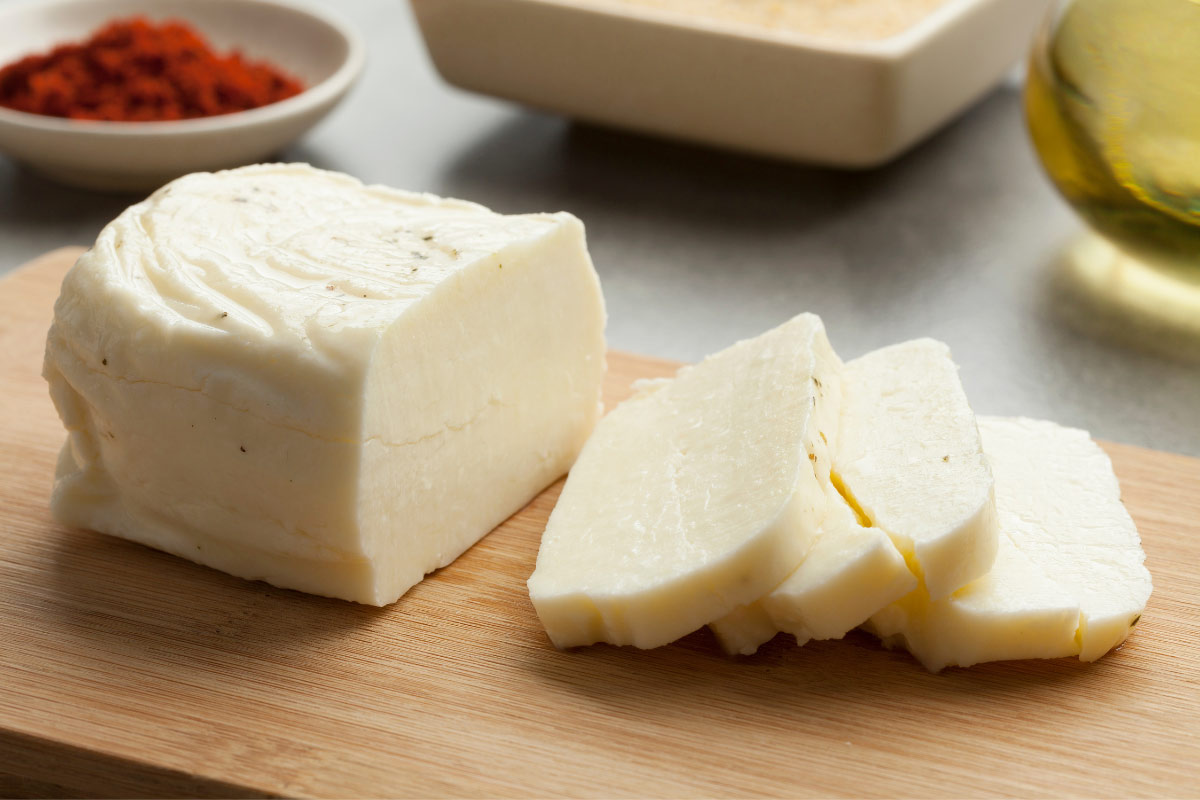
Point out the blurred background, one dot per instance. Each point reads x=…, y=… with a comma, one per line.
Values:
x=962, y=238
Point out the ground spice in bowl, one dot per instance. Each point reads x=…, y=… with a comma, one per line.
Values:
x=135, y=70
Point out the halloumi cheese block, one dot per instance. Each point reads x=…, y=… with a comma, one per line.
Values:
x=1069, y=577
x=290, y=376
x=694, y=497
x=909, y=458
x=851, y=571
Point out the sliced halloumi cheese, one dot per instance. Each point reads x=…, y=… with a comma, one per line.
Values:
x=1069, y=577
x=908, y=452
x=909, y=458
x=287, y=375
x=696, y=496
x=851, y=571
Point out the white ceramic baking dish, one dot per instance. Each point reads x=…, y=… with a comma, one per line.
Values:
x=750, y=88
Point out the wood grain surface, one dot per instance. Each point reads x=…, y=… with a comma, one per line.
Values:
x=127, y=672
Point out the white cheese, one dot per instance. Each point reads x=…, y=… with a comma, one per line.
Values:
x=290, y=376
x=909, y=457
x=1069, y=576
x=850, y=572
x=694, y=497
x=908, y=453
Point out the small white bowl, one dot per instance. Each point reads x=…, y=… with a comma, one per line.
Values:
x=751, y=88
x=324, y=53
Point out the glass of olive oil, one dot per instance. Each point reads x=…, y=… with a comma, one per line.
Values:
x=1113, y=106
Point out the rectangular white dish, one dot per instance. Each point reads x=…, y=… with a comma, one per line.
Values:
x=742, y=86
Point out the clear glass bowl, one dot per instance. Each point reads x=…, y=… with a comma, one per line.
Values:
x=1113, y=107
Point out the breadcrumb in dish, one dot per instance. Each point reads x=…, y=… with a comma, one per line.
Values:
x=845, y=20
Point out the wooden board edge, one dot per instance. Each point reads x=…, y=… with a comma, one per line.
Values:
x=32, y=766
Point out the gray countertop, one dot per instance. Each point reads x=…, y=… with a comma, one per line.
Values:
x=962, y=239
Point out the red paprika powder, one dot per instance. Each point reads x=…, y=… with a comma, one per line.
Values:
x=135, y=70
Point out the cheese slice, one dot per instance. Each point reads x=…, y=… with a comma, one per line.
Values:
x=290, y=376
x=851, y=571
x=909, y=458
x=694, y=497
x=1069, y=577
x=908, y=453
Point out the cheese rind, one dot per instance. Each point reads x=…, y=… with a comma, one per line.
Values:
x=1069, y=577
x=909, y=456
x=287, y=375
x=695, y=496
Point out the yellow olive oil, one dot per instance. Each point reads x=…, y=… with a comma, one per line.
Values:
x=1113, y=105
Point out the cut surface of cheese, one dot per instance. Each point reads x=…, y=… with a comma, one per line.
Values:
x=1068, y=578
x=290, y=376
x=908, y=453
x=909, y=457
x=851, y=571
x=694, y=497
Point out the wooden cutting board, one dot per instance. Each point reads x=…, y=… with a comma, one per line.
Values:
x=126, y=672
